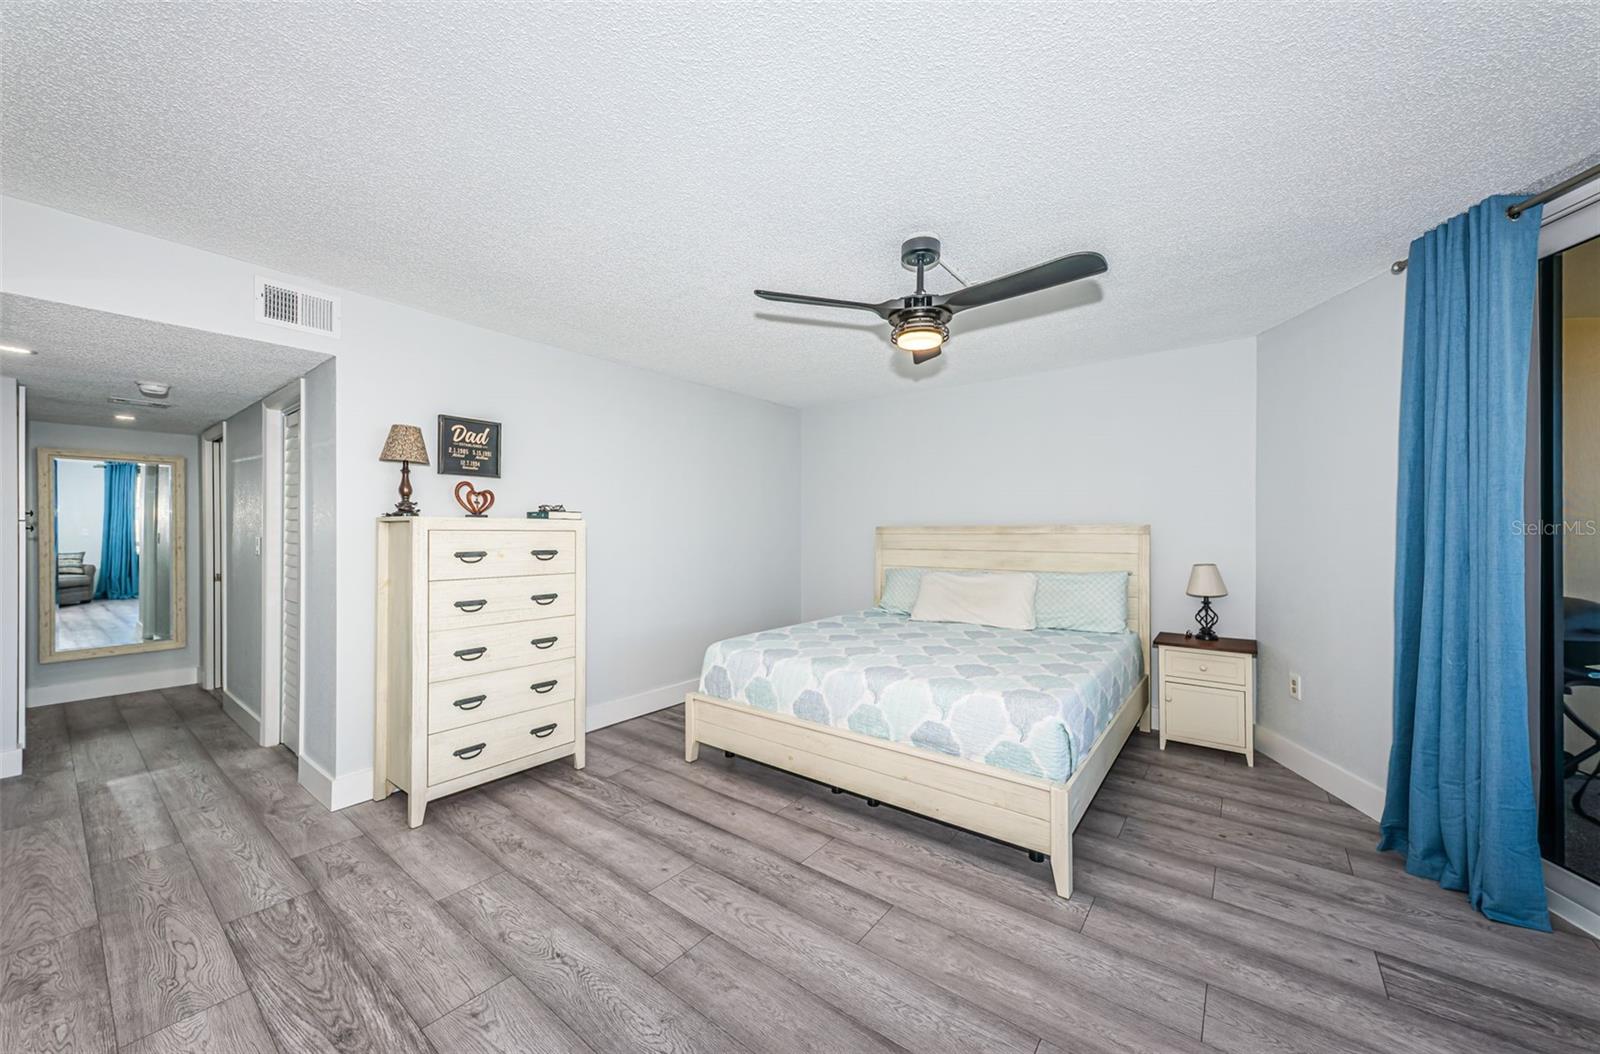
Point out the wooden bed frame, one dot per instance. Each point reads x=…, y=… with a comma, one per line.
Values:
x=1036, y=814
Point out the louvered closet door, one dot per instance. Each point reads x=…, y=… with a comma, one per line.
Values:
x=290, y=681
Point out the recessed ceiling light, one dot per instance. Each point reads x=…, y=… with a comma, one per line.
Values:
x=153, y=389
x=13, y=349
x=125, y=417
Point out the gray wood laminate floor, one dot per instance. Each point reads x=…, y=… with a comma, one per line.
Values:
x=167, y=886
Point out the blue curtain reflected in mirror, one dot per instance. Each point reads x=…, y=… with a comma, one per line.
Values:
x=119, y=539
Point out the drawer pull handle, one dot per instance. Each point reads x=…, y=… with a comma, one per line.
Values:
x=544, y=686
x=1203, y=667
x=471, y=702
x=544, y=730
x=471, y=556
x=544, y=554
x=470, y=654
x=471, y=606
x=544, y=599
x=541, y=642
x=468, y=753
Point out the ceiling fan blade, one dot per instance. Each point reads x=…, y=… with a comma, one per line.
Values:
x=919, y=357
x=1056, y=272
x=821, y=301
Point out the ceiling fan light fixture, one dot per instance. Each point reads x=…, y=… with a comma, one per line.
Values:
x=919, y=335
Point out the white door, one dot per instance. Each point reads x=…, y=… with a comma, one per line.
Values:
x=289, y=682
x=217, y=548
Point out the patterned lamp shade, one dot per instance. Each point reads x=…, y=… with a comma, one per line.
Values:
x=405, y=444
x=1206, y=581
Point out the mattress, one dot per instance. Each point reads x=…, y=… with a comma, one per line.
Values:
x=1032, y=701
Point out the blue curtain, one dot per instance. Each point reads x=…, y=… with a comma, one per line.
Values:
x=118, y=578
x=1460, y=798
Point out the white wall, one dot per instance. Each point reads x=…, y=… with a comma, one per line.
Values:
x=81, y=510
x=1328, y=431
x=60, y=682
x=1165, y=439
x=692, y=512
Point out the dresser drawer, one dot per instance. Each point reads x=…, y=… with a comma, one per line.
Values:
x=462, y=751
x=1215, y=667
x=453, y=604
x=468, y=700
x=500, y=554
x=1194, y=713
x=477, y=650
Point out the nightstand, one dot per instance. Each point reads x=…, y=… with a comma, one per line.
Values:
x=1207, y=691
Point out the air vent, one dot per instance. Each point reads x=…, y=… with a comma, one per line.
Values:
x=117, y=400
x=283, y=305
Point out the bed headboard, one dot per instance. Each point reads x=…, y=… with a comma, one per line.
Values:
x=1099, y=547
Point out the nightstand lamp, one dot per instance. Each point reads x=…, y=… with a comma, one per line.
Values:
x=1205, y=582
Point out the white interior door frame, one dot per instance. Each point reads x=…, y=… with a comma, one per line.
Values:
x=21, y=599
x=273, y=406
x=213, y=547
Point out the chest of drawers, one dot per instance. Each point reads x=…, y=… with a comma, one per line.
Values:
x=480, y=652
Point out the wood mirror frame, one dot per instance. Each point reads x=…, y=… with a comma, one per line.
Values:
x=47, y=555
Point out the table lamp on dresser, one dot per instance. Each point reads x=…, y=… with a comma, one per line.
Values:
x=1205, y=582
x=405, y=445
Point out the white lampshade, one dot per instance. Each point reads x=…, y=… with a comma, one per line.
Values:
x=1206, y=581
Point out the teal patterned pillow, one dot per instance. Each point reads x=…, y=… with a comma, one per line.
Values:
x=900, y=588
x=1093, y=603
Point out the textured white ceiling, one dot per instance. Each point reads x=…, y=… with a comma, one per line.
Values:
x=617, y=178
x=82, y=357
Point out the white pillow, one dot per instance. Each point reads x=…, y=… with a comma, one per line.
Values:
x=1004, y=600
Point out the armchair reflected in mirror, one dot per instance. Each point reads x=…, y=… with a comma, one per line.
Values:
x=111, y=554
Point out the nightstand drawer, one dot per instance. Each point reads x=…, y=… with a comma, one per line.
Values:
x=1193, y=713
x=1213, y=666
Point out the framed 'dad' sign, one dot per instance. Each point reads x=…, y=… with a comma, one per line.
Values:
x=468, y=447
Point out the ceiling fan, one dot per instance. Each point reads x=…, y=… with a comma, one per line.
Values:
x=921, y=320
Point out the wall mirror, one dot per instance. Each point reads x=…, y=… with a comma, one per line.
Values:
x=111, y=554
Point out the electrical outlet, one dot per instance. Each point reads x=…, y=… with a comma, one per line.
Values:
x=1294, y=685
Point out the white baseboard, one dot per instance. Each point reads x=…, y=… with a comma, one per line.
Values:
x=1368, y=797
x=335, y=792
x=1571, y=911
x=630, y=706
x=10, y=763
x=242, y=715
x=1335, y=779
x=116, y=684
x=1573, y=899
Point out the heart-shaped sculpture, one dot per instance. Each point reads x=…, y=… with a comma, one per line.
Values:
x=475, y=501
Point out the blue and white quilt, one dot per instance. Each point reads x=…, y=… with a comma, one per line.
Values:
x=1032, y=701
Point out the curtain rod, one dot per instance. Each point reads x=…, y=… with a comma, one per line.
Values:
x=1513, y=211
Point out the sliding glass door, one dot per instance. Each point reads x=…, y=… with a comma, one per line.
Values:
x=1569, y=715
